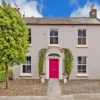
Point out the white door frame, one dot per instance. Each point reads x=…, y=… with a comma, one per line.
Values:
x=60, y=66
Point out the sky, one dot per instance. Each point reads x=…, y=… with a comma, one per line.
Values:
x=56, y=8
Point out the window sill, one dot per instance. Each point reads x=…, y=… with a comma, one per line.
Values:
x=54, y=45
x=26, y=75
x=83, y=74
x=82, y=46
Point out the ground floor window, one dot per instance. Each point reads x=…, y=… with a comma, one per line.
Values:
x=81, y=64
x=26, y=68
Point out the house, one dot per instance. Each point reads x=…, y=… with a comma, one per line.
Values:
x=80, y=35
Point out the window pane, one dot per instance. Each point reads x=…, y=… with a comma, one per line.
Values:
x=79, y=33
x=55, y=40
x=51, y=40
x=83, y=68
x=24, y=69
x=79, y=41
x=84, y=33
x=28, y=60
x=79, y=68
x=55, y=33
x=79, y=60
x=28, y=68
x=29, y=30
x=83, y=60
x=83, y=40
x=29, y=36
x=51, y=32
x=29, y=39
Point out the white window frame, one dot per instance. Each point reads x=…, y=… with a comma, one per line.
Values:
x=82, y=45
x=56, y=29
x=82, y=74
x=25, y=74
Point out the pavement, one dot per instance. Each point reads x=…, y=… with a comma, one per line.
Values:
x=53, y=88
x=92, y=96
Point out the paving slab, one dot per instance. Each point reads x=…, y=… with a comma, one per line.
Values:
x=53, y=88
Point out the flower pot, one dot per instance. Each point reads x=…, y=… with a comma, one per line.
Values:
x=42, y=77
x=42, y=80
x=65, y=80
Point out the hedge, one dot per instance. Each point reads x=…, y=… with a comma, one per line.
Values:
x=2, y=75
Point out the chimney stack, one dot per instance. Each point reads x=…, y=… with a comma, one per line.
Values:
x=93, y=12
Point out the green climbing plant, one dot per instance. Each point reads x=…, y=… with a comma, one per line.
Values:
x=68, y=59
x=42, y=54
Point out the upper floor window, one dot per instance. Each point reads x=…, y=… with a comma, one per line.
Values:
x=53, y=36
x=81, y=64
x=29, y=35
x=81, y=37
x=26, y=68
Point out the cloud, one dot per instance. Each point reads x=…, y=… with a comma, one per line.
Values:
x=29, y=8
x=74, y=3
x=84, y=12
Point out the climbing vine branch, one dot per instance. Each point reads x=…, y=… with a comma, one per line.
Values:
x=42, y=54
x=68, y=59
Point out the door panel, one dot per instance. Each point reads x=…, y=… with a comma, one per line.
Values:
x=53, y=68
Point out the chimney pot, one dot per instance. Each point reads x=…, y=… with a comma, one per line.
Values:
x=93, y=12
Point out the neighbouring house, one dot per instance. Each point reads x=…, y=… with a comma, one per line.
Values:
x=81, y=35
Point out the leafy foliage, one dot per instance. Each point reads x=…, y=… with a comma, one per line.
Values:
x=2, y=75
x=42, y=54
x=13, y=36
x=68, y=58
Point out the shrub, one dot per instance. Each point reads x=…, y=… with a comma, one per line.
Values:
x=68, y=58
x=42, y=54
x=2, y=75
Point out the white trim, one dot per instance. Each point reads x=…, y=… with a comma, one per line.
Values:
x=47, y=68
x=82, y=74
x=25, y=74
x=54, y=45
x=60, y=68
x=82, y=46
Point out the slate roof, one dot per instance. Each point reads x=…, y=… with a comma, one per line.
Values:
x=62, y=21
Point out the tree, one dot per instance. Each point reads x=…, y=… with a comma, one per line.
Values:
x=13, y=38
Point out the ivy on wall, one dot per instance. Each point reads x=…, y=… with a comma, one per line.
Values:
x=42, y=54
x=68, y=59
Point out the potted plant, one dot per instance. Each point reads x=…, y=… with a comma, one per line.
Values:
x=65, y=77
x=42, y=77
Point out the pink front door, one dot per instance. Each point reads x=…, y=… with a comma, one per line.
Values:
x=53, y=68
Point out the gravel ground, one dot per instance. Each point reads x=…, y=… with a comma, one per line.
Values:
x=24, y=88
x=80, y=86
